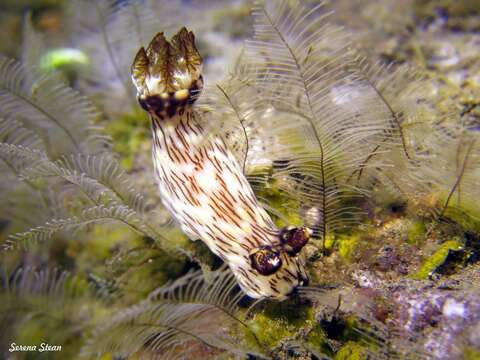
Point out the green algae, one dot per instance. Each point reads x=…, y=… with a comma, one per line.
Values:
x=471, y=354
x=100, y=245
x=289, y=321
x=351, y=351
x=416, y=232
x=347, y=245
x=270, y=331
x=176, y=239
x=130, y=131
x=64, y=59
x=436, y=259
x=139, y=271
x=316, y=340
x=135, y=262
x=467, y=217
x=283, y=203
x=280, y=321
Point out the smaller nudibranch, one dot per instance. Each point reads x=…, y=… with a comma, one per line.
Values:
x=200, y=181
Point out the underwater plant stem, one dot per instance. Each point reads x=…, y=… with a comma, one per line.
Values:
x=310, y=121
x=240, y=119
x=459, y=177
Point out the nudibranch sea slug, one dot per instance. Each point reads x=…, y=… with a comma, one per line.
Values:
x=200, y=181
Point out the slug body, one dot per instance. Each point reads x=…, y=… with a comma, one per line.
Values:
x=200, y=181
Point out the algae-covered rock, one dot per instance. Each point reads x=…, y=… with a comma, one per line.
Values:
x=437, y=317
x=437, y=259
x=351, y=351
x=285, y=205
x=281, y=321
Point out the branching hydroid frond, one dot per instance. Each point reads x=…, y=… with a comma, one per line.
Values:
x=56, y=283
x=98, y=176
x=232, y=109
x=12, y=131
x=313, y=118
x=188, y=318
x=97, y=214
x=397, y=91
x=19, y=157
x=51, y=109
x=18, y=196
x=105, y=183
x=452, y=167
x=99, y=179
x=442, y=175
